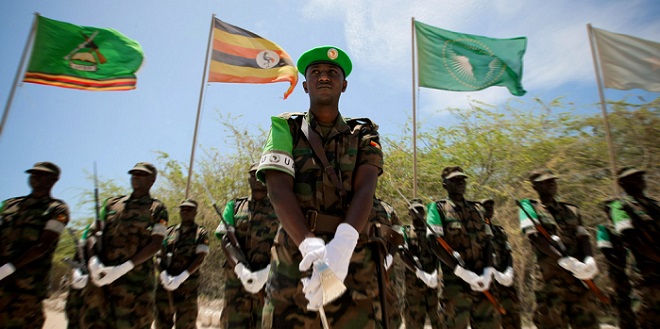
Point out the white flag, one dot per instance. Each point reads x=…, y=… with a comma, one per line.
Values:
x=628, y=62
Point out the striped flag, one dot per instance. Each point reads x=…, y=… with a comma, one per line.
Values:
x=241, y=56
x=82, y=57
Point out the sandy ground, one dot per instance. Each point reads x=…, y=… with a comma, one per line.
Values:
x=209, y=315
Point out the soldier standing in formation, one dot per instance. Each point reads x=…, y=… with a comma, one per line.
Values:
x=30, y=227
x=395, y=302
x=421, y=293
x=506, y=292
x=561, y=299
x=132, y=229
x=323, y=202
x=636, y=219
x=246, y=244
x=79, y=280
x=183, y=252
x=462, y=225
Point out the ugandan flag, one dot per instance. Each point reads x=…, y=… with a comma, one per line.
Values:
x=241, y=56
x=81, y=57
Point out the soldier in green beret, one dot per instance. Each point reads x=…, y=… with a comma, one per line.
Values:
x=30, y=227
x=324, y=203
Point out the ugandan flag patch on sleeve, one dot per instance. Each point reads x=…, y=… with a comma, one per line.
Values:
x=62, y=218
x=374, y=144
x=163, y=222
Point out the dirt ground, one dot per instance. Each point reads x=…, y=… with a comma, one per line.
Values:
x=209, y=315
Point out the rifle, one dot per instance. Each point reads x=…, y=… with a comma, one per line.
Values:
x=97, y=222
x=453, y=253
x=80, y=252
x=229, y=241
x=558, y=246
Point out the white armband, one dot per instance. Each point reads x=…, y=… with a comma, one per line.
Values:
x=54, y=226
x=159, y=229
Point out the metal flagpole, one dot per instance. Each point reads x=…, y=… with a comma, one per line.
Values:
x=199, y=106
x=603, y=106
x=28, y=43
x=414, y=112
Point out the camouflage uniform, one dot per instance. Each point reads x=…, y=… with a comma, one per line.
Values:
x=74, y=299
x=421, y=301
x=395, y=272
x=464, y=228
x=506, y=296
x=349, y=144
x=643, y=217
x=255, y=226
x=611, y=245
x=128, y=302
x=183, y=244
x=561, y=298
x=22, y=221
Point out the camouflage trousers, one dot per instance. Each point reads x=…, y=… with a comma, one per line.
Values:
x=463, y=307
x=420, y=302
x=507, y=297
x=561, y=306
x=242, y=309
x=648, y=314
x=286, y=306
x=20, y=310
x=183, y=307
x=74, y=303
x=122, y=304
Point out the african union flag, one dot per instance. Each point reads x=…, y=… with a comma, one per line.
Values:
x=82, y=57
x=241, y=56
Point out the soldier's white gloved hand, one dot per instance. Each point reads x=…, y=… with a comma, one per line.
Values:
x=568, y=263
x=221, y=229
x=246, y=276
x=430, y=279
x=6, y=270
x=313, y=291
x=312, y=249
x=586, y=270
x=259, y=279
x=389, y=259
x=95, y=266
x=113, y=273
x=504, y=278
x=164, y=278
x=484, y=280
x=177, y=281
x=339, y=250
x=468, y=276
x=78, y=279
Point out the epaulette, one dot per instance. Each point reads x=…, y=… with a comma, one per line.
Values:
x=352, y=122
x=289, y=115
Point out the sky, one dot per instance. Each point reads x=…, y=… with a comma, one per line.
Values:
x=115, y=130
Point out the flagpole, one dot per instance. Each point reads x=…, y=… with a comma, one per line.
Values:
x=414, y=111
x=5, y=114
x=603, y=106
x=199, y=106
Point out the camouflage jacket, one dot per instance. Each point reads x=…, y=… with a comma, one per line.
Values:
x=183, y=244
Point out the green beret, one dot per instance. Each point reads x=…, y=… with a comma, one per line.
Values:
x=325, y=54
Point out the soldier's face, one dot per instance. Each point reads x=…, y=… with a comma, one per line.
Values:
x=41, y=181
x=187, y=214
x=632, y=184
x=547, y=187
x=141, y=180
x=455, y=185
x=324, y=82
x=489, y=210
x=255, y=184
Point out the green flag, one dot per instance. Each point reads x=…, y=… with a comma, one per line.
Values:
x=465, y=62
x=81, y=57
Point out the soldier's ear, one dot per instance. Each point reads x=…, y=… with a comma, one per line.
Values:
x=304, y=84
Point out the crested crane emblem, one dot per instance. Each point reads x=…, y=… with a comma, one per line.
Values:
x=267, y=59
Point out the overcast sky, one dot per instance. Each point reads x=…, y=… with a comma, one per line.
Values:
x=117, y=129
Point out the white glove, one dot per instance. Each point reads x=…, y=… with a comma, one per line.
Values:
x=586, y=270
x=389, y=259
x=165, y=278
x=312, y=249
x=176, y=281
x=95, y=267
x=339, y=250
x=431, y=280
x=568, y=263
x=6, y=270
x=468, y=276
x=484, y=280
x=259, y=279
x=504, y=278
x=113, y=273
x=313, y=291
x=78, y=279
x=222, y=229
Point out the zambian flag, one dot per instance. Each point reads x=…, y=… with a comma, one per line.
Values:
x=82, y=57
x=241, y=56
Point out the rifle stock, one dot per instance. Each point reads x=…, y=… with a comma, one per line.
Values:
x=229, y=241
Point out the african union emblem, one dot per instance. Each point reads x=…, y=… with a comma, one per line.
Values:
x=458, y=56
